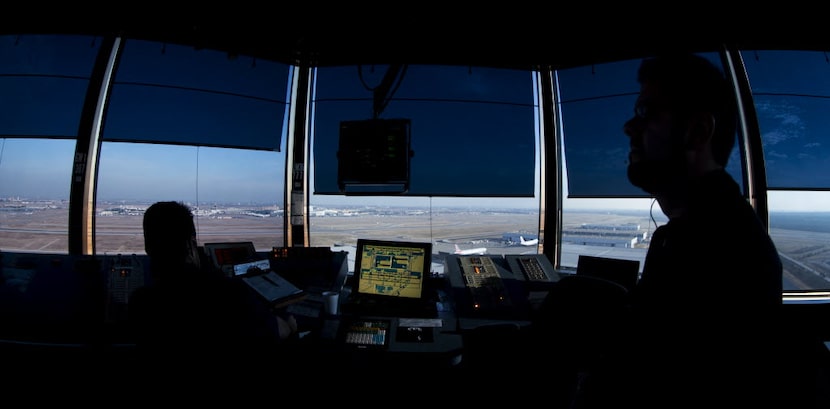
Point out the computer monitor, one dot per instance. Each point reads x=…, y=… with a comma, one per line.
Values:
x=227, y=254
x=385, y=268
x=621, y=271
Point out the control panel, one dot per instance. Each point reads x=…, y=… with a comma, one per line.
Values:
x=124, y=274
x=536, y=268
x=492, y=286
x=485, y=284
x=367, y=333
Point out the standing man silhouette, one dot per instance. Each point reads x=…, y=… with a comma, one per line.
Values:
x=704, y=324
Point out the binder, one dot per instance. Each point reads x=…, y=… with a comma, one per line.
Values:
x=274, y=289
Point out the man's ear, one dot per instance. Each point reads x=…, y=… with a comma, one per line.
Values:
x=701, y=130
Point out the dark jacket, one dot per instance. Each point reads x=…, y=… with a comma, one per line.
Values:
x=705, y=326
x=204, y=320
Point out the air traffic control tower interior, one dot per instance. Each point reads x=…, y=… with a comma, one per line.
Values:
x=439, y=173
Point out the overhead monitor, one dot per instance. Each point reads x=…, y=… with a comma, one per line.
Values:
x=374, y=157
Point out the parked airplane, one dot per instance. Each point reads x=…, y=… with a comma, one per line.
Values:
x=524, y=242
x=479, y=250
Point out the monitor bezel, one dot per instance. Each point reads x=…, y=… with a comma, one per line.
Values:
x=426, y=247
x=211, y=248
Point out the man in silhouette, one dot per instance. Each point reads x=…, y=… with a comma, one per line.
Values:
x=193, y=318
x=704, y=315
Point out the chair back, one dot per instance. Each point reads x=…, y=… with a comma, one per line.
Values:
x=581, y=314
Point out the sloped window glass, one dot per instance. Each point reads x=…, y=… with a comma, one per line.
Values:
x=235, y=194
x=792, y=97
x=166, y=93
x=44, y=79
x=35, y=177
x=43, y=84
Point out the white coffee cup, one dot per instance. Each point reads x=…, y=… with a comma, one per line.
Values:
x=331, y=301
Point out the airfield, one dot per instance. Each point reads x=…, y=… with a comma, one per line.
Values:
x=804, y=253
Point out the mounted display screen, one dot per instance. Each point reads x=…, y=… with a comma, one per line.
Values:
x=373, y=156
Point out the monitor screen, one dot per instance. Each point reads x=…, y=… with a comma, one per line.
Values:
x=226, y=255
x=392, y=268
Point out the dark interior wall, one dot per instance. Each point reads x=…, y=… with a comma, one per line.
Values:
x=60, y=298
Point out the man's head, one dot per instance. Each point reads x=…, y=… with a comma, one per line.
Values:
x=684, y=122
x=170, y=235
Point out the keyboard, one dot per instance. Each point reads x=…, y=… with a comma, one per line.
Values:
x=536, y=269
x=532, y=269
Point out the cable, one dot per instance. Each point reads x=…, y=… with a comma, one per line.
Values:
x=394, y=88
x=399, y=74
x=651, y=212
x=363, y=80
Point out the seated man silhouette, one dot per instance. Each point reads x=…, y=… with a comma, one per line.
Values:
x=188, y=316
